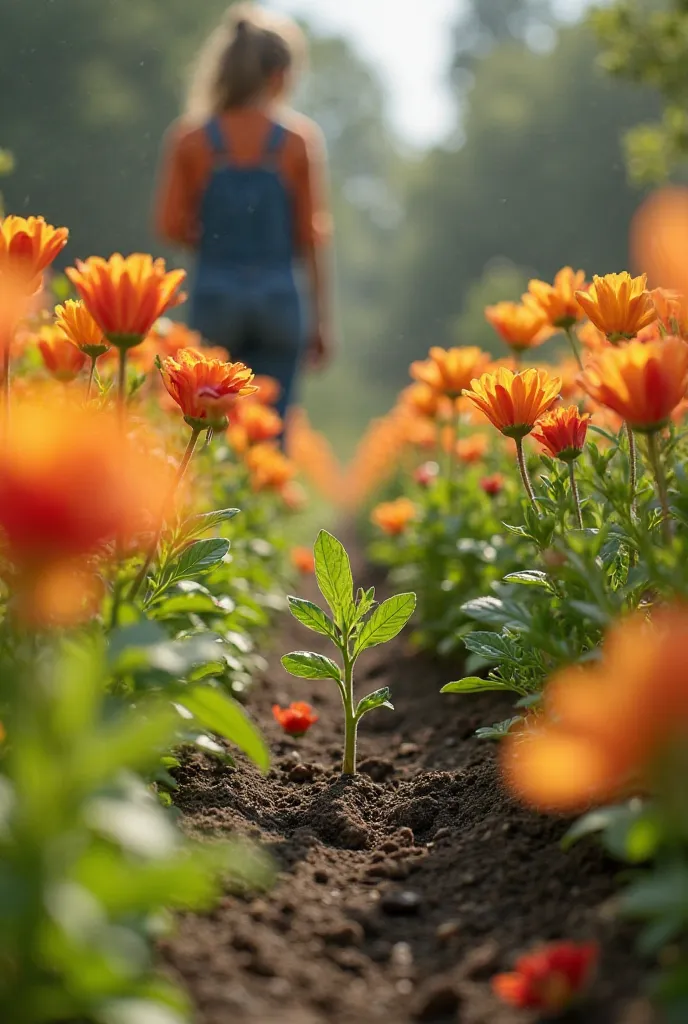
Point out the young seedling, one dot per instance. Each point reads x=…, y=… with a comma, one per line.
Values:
x=356, y=624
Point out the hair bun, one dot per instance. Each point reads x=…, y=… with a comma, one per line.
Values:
x=241, y=26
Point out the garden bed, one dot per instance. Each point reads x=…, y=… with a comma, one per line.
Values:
x=401, y=891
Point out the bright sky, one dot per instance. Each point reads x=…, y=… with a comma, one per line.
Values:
x=409, y=44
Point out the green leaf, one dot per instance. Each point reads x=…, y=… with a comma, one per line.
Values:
x=199, y=524
x=386, y=622
x=379, y=699
x=137, y=637
x=494, y=647
x=199, y=557
x=474, y=684
x=497, y=731
x=529, y=578
x=223, y=716
x=309, y=615
x=307, y=665
x=333, y=574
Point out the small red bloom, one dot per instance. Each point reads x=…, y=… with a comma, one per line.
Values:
x=549, y=979
x=562, y=432
x=426, y=474
x=303, y=560
x=297, y=719
x=493, y=484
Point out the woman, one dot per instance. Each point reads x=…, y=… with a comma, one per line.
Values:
x=243, y=184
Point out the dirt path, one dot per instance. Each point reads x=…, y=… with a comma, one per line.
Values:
x=401, y=891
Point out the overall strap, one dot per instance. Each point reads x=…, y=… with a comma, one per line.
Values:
x=216, y=138
x=276, y=137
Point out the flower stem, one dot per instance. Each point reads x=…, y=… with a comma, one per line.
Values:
x=633, y=463
x=122, y=383
x=571, y=335
x=576, y=495
x=524, y=471
x=350, y=722
x=143, y=571
x=90, y=378
x=660, y=478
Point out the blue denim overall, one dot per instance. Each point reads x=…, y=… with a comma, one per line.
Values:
x=245, y=294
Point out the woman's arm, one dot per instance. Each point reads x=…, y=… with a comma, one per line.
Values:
x=176, y=200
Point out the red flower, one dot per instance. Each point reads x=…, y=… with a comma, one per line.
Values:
x=562, y=432
x=493, y=484
x=549, y=979
x=426, y=474
x=297, y=719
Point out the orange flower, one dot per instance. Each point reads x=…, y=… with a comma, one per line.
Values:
x=204, y=389
x=643, y=383
x=252, y=423
x=268, y=390
x=303, y=560
x=493, y=484
x=297, y=719
x=60, y=356
x=69, y=484
x=294, y=496
x=672, y=311
x=618, y=305
x=312, y=454
x=520, y=326
x=604, y=725
x=75, y=321
x=393, y=517
x=27, y=247
x=557, y=302
x=450, y=371
x=562, y=432
x=568, y=371
x=514, y=401
x=125, y=296
x=550, y=979
x=658, y=238
x=169, y=336
x=592, y=338
x=425, y=401
x=269, y=469
x=472, y=449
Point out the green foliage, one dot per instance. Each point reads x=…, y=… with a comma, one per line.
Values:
x=358, y=625
x=89, y=860
x=647, y=43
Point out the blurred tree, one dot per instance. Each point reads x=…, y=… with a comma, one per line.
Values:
x=539, y=180
x=646, y=41
x=502, y=281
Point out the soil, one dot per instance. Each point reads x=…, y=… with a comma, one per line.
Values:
x=400, y=891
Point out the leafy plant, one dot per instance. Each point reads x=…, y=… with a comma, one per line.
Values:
x=355, y=625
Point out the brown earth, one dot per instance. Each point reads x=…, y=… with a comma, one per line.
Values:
x=401, y=891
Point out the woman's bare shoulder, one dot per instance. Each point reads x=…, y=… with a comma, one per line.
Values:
x=184, y=133
x=305, y=128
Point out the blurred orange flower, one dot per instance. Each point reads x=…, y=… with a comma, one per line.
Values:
x=268, y=390
x=562, y=432
x=643, y=383
x=473, y=448
x=61, y=357
x=297, y=719
x=592, y=338
x=605, y=725
x=69, y=484
x=424, y=400
x=77, y=324
x=672, y=311
x=125, y=296
x=169, y=336
x=550, y=979
x=268, y=467
x=450, y=371
x=312, y=454
x=393, y=517
x=658, y=238
x=204, y=389
x=252, y=423
x=514, y=401
x=520, y=326
x=557, y=302
x=618, y=305
x=28, y=245
x=303, y=560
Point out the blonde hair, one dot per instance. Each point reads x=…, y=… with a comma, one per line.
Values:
x=238, y=58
